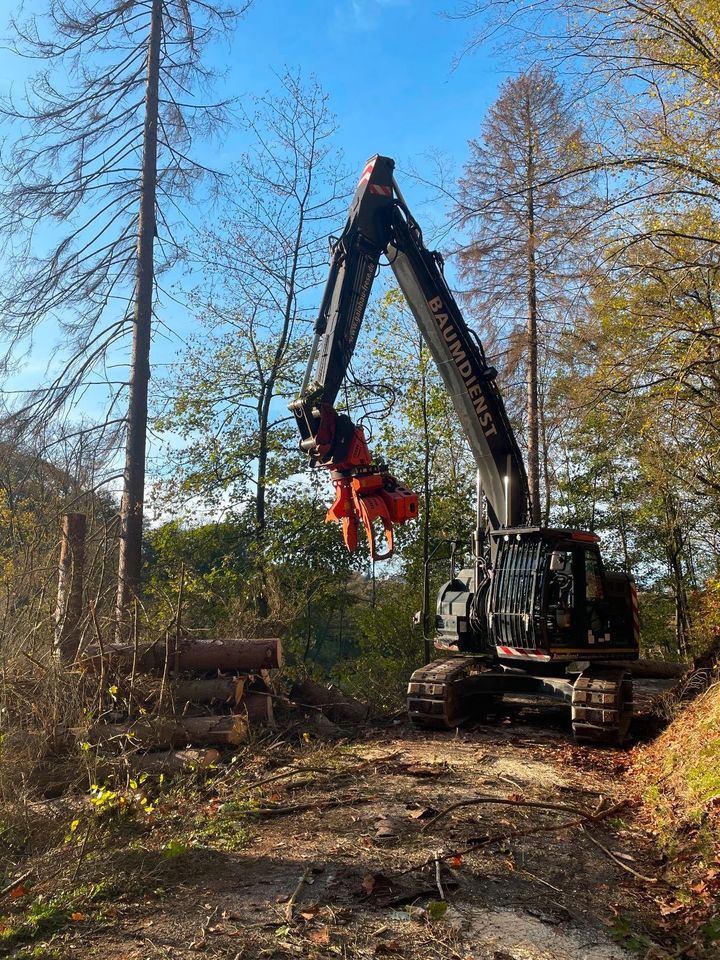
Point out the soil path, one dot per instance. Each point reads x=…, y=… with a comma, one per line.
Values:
x=364, y=818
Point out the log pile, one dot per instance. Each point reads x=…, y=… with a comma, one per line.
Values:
x=202, y=694
x=193, y=693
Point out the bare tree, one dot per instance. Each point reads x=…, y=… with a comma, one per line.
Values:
x=259, y=265
x=528, y=228
x=98, y=160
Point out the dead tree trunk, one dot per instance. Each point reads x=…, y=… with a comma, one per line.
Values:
x=131, y=511
x=533, y=434
x=68, y=614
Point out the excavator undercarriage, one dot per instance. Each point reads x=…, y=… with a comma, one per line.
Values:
x=449, y=692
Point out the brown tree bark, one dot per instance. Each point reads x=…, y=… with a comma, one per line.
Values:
x=259, y=707
x=335, y=704
x=173, y=761
x=231, y=655
x=209, y=690
x=174, y=732
x=68, y=614
x=533, y=428
x=131, y=511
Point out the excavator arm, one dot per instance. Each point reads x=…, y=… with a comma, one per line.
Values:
x=379, y=223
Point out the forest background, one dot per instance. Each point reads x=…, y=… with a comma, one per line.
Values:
x=563, y=158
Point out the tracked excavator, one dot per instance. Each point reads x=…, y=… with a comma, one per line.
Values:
x=535, y=613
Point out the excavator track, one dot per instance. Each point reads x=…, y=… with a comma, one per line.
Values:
x=442, y=694
x=602, y=706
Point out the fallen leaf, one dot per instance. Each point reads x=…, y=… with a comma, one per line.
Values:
x=456, y=861
x=78, y=917
x=422, y=813
x=421, y=770
x=668, y=909
x=321, y=936
x=19, y=891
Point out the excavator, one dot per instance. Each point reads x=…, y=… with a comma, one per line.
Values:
x=535, y=613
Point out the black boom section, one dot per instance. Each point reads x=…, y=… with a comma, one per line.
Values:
x=379, y=222
x=353, y=267
x=469, y=379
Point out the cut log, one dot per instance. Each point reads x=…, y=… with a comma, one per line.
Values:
x=173, y=732
x=210, y=690
x=205, y=655
x=333, y=702
x=259, y=708
x=656, y=669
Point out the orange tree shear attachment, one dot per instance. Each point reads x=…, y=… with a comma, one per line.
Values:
x=371, y=495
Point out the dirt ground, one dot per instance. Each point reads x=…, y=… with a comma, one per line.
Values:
x=348, y=850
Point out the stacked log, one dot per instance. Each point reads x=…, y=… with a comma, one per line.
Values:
x=189, y=655
x=201, y=694
x=169, y=732
x=335, y=705
x=193, y=693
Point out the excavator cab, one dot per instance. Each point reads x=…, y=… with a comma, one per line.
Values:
x=552, y=599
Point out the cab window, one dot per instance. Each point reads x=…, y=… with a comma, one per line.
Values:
x=593, y=577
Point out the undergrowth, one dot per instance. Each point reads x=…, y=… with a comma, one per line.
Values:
x=679, y=775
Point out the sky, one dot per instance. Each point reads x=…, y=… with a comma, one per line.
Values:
x=395, y=86
x=389, y=68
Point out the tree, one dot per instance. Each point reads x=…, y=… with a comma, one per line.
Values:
x=103, y=153
x=35, y=493
x=229, y=400
x=647, y=72
x=528, y=228
x=644, y=368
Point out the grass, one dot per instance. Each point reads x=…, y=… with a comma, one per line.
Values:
x=45, y=916
x=680, y=778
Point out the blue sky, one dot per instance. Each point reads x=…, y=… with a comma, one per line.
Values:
x=387, y=66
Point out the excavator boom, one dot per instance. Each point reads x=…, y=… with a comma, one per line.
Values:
x=536, y=601
x=379, y=223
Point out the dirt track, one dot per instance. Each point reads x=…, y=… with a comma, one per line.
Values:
x=546, y=895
